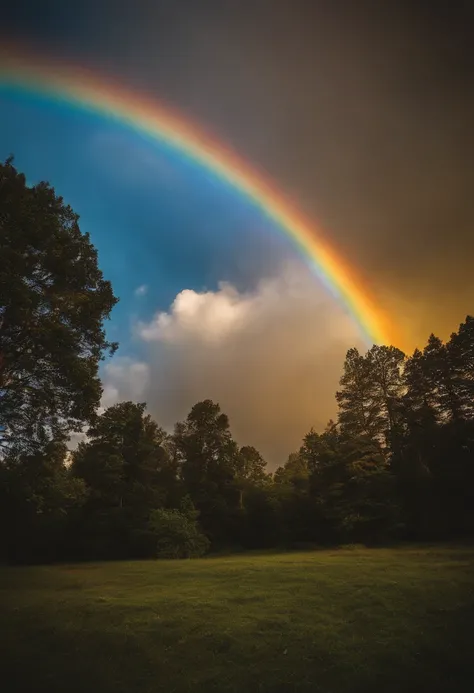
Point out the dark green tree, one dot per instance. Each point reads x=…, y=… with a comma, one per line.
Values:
x=419, y=397
x=318, y=448
x=176, y=532
x=208, y=459
x=352, y=485
x=460, y=350
x=370, y=395
x=129, y=442
x=418, y=412
x=249, y=471
x=127, y=468
x=251, y=465
x=53, y=302
x=294, y=472
x=357, y=415
x=291, y=489
x=385, y=366
x=437, y=471
x=442, y=382
x=39, y=499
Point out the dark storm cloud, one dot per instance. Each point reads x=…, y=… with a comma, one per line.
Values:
x=361, y=111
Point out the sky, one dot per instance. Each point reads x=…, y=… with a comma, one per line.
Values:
x=361, y=113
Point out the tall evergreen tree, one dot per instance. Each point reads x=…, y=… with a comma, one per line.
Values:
x=385, y=366
x=356, y=415
x=460, y=349
x=371, y=389
x=418, y=406
x=442, y=380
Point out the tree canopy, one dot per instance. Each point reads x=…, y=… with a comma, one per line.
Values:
x=53, y=302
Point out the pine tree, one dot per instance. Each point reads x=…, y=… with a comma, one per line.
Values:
x=460, y=350
x=442, y=380
x=371, y=390
x=356, y=414
x=385, y=365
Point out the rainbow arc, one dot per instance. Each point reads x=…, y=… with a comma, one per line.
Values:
x=84, y=89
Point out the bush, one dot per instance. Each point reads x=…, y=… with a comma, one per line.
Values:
x=177, y=535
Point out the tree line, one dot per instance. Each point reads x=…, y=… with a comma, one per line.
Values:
x=396, y=464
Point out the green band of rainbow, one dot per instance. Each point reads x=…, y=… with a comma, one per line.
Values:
x=82, y=88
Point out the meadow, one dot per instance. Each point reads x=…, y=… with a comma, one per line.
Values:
x=334, y=621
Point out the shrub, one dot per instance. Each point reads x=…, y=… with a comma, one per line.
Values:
x=177, y=535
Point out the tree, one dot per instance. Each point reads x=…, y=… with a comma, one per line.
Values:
x=318, y=448
x=357, y=416
x=419, y=396
x=294, y=472
x=53, y=302
x=296, y=510
x=205, y=448
x=371, y=390
x=127, y=469
x=385, y=366
x=460, y=349
x=250, y=470
x=418, y=415
x=208, y=459
x=363, y=499
x=39, y=498
x=251, y=465
x=441, y=379
x=436, y=470
x=351, y=483
x=132, y=447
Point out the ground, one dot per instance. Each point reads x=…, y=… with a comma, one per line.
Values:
x=334, y=621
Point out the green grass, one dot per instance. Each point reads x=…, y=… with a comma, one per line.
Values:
x=380, y=620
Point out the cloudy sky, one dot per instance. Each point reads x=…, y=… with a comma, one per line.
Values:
x=360, y=112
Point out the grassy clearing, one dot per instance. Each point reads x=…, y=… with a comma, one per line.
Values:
x=333, y=621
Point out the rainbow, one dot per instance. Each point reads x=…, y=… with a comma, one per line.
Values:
x=82, y=88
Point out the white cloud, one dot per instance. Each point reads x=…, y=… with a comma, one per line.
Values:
x=124, y=379
x=209, y=316
x=141, y=290
x=272, y=358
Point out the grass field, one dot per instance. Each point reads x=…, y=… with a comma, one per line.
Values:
x=333, y=621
